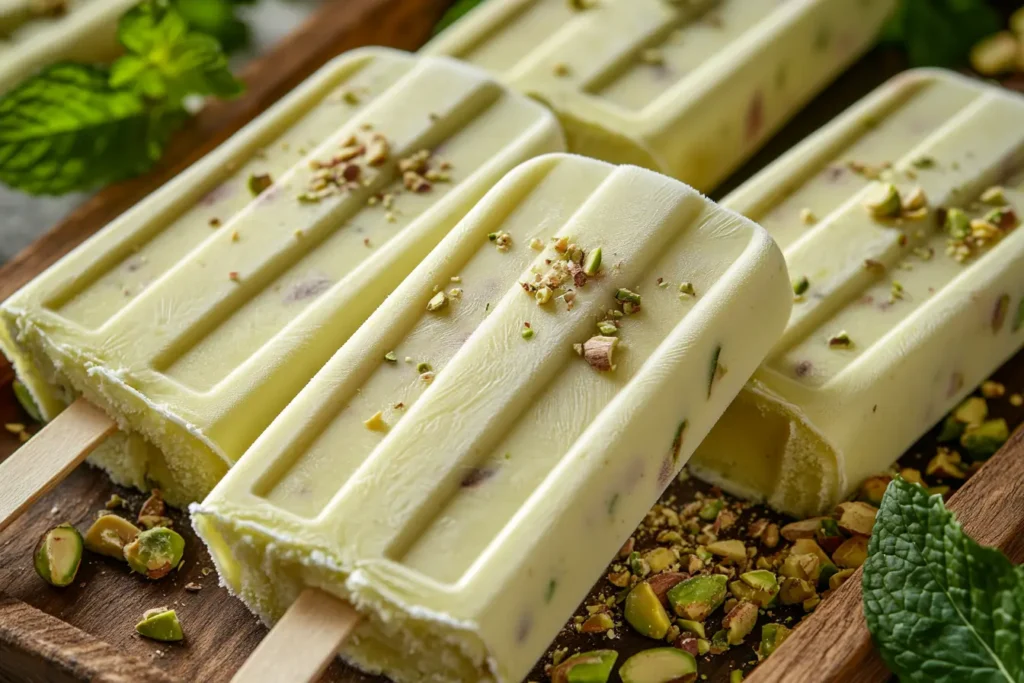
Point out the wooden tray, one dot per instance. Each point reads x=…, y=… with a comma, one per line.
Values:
x=85, y=632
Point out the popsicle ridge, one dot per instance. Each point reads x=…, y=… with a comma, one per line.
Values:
x=193, y=319
x=385, y=471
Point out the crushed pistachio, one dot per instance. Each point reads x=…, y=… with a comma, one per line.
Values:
x=561, y=69
x=840, y=340
x=607, y=328
x=593, y=263
x=536, y=244
x=598, y=352
x=883, y=201
x=391, y=357
x=801, y=285
x=994, y=195
x=437, y=302
x=527, y=332
x=258, y=182
x=376, y=423
x=423, y=367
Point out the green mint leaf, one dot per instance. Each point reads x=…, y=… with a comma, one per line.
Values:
x=66, y=129
x=216, y=18
x=167, y=59
x=941, y=32
x=941, y=607
x=454, y=13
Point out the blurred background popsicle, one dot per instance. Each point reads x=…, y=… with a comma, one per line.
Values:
x=483, y=445
x=898, y=223
x=34, y=33
x=689, y=89
x=195, y=317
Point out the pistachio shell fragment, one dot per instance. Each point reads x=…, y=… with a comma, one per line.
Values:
x=154, y=553
x=160, y=624
x=58, y=555
x=109, y=534
x=659, y=665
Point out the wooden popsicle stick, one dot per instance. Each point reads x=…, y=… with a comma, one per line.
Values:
x=49, y=456
x=303, y=644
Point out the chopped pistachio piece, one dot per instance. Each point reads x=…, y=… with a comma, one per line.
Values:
x=391, y=357
x=659, y=665
x=772, y=636
x=883, y=201
x=154, y=553
x=437, y=302
x=957, y=224
x=840, y=340
x=160, y=624
x=527, y=332
x=997, y=54
x=801, y=285
x=58, y=555
x=109, y=534
x=645, y=613
x=375, y=423
x=259, y=182
x=696, y=598
x=598, y=352
x=982, y=441
x=607, y=328
x=686, y=288
x=626, y=296
x=593, y=263
x=994, y=195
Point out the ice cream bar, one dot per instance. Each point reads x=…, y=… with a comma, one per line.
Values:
x=898, y=221
x=195, y=317
x=34, y=33
x=462, y=470
x=689, y=89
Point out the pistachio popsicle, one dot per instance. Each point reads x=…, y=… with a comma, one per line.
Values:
x=905, y=304
x=689, y=89
x=473, y=469
x=35, y=33
x=194, y=318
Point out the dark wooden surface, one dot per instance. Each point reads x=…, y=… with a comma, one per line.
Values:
x=86, y=631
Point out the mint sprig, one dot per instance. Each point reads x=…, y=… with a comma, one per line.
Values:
x=77, y=126
x=941, y=607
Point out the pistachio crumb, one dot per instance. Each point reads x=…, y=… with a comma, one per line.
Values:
x=994, y=195
x=527, y=332
x=561, y=69
x=437, y=302
x=840, y=340
x=801, y=285
x=391, y=357
x=1016, y=400
x=376, y=422
x=807, y=217
x=687, y=289
x=536, y=244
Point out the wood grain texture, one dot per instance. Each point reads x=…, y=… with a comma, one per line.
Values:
x=303, y=643
x=834, y=645
x=70, y=654
x=43, y=462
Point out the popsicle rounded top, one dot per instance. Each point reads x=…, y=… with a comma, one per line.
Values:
x=689, y=89
x=897, y=317
x=467, y=463
x=195, y=317
x=33, y=36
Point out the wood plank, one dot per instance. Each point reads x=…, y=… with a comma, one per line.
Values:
x=834, y=645
x=69, y=654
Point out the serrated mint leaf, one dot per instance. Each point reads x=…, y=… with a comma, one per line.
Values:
x=66, y=129
x=216, y=18
x=941, y=607
x=168, y=60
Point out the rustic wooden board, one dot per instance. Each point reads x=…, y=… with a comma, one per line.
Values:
x=86, y=631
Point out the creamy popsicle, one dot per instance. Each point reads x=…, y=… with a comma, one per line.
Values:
x=689, y=89
x=195, y=317
x=465, y=466
x=898, y=221
x=34, y=33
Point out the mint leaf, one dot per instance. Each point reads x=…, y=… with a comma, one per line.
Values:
x=168, y=60
x=215, y=18
x=941, y=607
x=454, y=13
x=941, y=32
x=67, y=129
